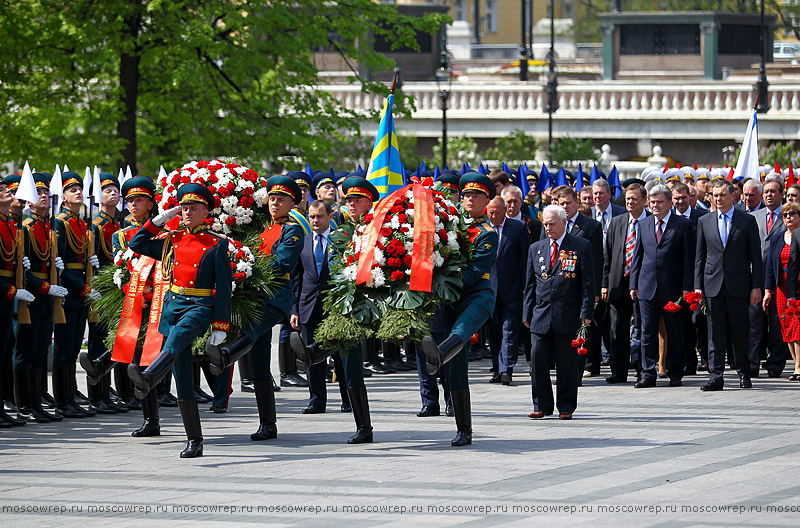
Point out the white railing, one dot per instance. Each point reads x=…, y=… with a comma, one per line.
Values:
x=590, y=100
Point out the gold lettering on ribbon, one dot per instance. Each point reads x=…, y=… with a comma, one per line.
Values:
x=131, y=320
x=154, y=339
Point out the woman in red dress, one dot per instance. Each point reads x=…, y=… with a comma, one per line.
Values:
x=777, y=260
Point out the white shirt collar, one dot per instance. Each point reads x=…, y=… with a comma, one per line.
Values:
x=574, y=217
x=324, y=234
x=666, y=218
x=559, y=241
x=518, y=217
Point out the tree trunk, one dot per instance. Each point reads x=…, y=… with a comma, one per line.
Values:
x=129, y=84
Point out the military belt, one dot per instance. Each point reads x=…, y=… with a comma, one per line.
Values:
x=191, y=292
x=7, y=273
x=38, y=275
x=75, y=265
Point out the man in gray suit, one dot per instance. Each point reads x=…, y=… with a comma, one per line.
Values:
x=765, y=329
x=729, y=273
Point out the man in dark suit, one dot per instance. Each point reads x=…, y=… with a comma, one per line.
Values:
x=663, y=271
x=695, y=324
x=621, y=242
x=508, y=281
x=765, y=328
x=729, y=273
x=309, y=280
x=591, y=230
x=559, y=295
x=512, y=196
x=603, y=210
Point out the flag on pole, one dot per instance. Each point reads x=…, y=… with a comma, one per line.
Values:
x=385, y=171
x=27, y=187
x=522, y=182
x=56, y=184
x=561, y=178
x=595, y=174
x=613, y=181
x=579, y=179
x=545, y=180
x=747, y=165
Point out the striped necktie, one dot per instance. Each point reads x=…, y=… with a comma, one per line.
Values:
x=630, y=247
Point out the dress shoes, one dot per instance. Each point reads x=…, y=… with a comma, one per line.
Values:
x=265, y=431
x=314, y=409
x=505, y=378
x=463, y=438
x=293, y=379
x=150, y=427
x=194, y=449
x=247, y=386
x=346, y=407
x=167, y=400
x=495, y=379
x=711, y=386
x=675, y=383
x=202, y=396
x=429, y=410
x=376, y=368
x=616, y=379
x=80, y=399
x=218, y=409
x=539, y=414
x=565, y=416
x=745, y=383
x=645, y=383
x=275, y=386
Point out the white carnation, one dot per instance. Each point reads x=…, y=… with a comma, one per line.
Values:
x=260, y=196
x=350, y=272
x=377, y=278
x=409, y=247
x=380, y=259
x=203, y=173
x=438, y=260
x=452, y=241
x=394, y=223
x=118, y=278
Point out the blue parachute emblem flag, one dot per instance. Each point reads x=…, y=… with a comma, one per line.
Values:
x=385, y=171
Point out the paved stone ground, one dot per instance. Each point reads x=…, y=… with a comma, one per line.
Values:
x=628, y=458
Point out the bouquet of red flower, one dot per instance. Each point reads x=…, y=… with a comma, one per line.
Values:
x=694, y=300
x=580, y=340
x=792, y=307
x=395, y=268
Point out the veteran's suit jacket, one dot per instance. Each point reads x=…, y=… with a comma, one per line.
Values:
x=592, y=231
x=556, y=298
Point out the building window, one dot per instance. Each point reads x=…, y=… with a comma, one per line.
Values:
x=461, y=10
x=491, y=16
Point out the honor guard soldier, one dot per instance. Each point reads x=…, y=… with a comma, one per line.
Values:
x=283, y=240
x=197, y=265
x=359, y=195
x=138, y=193
x=324, y=188
x=74, y=242
x=33, y=336
x=473, y=308
x=12, y=262
x=104, y=225
x=450, y=179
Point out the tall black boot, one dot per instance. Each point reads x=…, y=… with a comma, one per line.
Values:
x=96, y=368
x=360, y=404
x=107, y=395
x=165, y=397
x=222, y=357
x=35, y=395
x=63, y=393
x=310, y=354
x=246, y=373
x=287, y=362
x=200, y=395
x=22, y=394
x=97, y=398
x=47, y=399
x=369, y=350
x=124, y=388
x=438, y=355
x=89, y=411
x=190, y=415
x=265, y=399
x=144, y=380
x=150, y=427
x=5, y=418
x=463, y=410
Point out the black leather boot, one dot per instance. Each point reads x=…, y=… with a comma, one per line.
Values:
x=63, y=394
x=12, y=421
x=287, y=362
x=97, y=399
x=106, y=381
x=124, y=388
x=309, y=354
x=150, y=427
x=246, y=373
x=463, y=411
x=165, y=397
x=73, y=378
x=360, y=405
x=265, y=399
x=222, y=357
x=190, y=415
x=97, y=368
x=438, y=355
x=35, y=394
x=199, y=394
x=144, y=380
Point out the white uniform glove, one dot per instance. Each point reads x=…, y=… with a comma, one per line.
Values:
x=94, y=295
x=166, y=216
x=217, y=337
x=26, y=263
x=59, y=264
x=57, y=291
x=24, y=295
x=94, y=261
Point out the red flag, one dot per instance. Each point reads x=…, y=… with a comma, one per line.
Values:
x=777, y=168
x=730, y=175
x=790, y=180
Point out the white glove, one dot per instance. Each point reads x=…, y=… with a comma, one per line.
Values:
x=26, y=263
x=24, y=295
x=166, y=216
x=94, y=295
x=217, y=337
x=57, y=291
x=59, y=264
x=94, y=261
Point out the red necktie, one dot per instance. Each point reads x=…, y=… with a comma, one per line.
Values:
x=659, y=231
x=553, y=255
x=769, y=221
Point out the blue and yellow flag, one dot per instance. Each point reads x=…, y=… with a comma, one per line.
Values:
x=385, y=171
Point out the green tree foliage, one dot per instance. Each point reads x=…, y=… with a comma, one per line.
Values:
x=110, y=82
x=572, y=149
x=784, y=153
x=461, y=149
x=407, y=145
x=517, y=146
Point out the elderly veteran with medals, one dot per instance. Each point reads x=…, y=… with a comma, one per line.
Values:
x=474, y=307
x=196, y=263
x=283, y=241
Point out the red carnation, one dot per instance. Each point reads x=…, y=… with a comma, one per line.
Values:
x=368, y=218
x=158, y=197
x=397, y=275
x=350, y=259
x=581, y=341
x=404, y=230
x=202, y=164
x=694, y=307
x=247, y=191
x=125, y=289
x=407, y=260
x=170, y=189
x=233, y=267
x=213, y=178
x=575, y=343
x=410, y=205
x=224, y=192
x=385, y=231
x=474, y=339
x=241, y=276
x=397, y=209
x=185, y=179
x=671, y=307
x=230, y=221
x=402, y=218
x=246, y=201
x=176, y=179
x=377, y=244
x=443, y=235
x=444, y=216
x=394, y=262
x=231, y=166
x=217, y=202
x=240, y=254
x=582, y=351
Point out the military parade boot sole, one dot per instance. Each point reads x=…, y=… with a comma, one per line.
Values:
x=463, y=412
x=267, y=416
x=190, y=415
x=360, y=403
x=151, y=426
x=145, y=380
x=222, y=357
x=309, y=354
x=437, y=356
x=96, y=369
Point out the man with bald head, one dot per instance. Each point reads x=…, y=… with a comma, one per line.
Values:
x=507, y=276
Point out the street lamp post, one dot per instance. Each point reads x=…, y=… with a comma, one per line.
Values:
x=762, y=86
x=551, y=89
x=523, y=51
x=444, y=78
